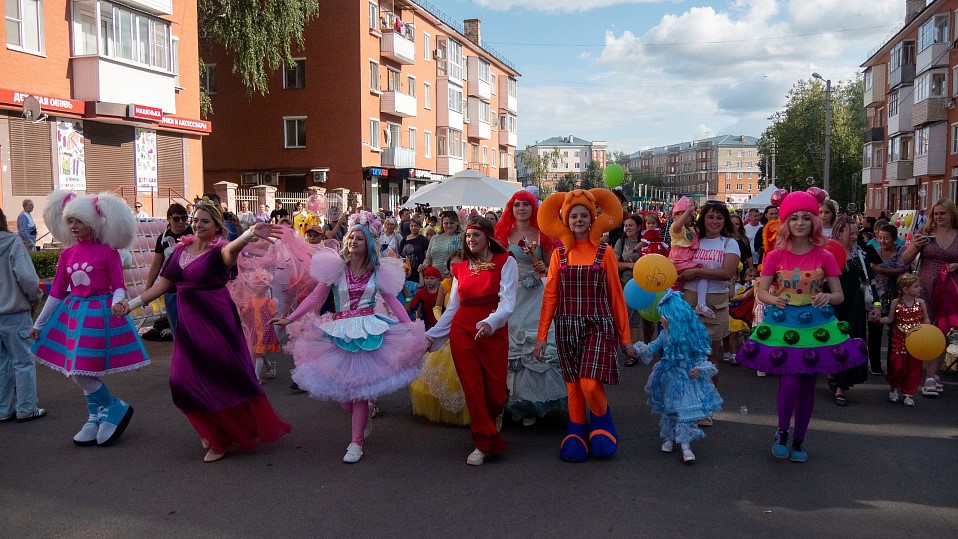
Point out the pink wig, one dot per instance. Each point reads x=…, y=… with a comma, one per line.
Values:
x=817, y=236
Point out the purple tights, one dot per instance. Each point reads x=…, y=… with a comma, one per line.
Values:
x=360, y=412
x=796, y=396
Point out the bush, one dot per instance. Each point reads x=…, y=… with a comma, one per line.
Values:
x=45, y=262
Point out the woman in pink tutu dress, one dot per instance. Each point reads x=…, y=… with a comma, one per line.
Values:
x=211, y=372
x=359, y=354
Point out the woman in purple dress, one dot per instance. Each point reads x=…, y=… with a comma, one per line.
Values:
x=211, y=372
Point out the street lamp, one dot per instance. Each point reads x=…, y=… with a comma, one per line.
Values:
x=828, y=129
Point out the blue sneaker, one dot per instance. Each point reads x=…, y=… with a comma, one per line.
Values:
x=798, y=453
x=780, y=447
x=113, y=421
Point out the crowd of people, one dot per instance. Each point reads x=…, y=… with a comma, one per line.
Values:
x=483, y=315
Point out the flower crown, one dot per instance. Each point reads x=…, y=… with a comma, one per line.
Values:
x=367, y=219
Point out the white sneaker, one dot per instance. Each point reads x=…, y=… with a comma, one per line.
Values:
x=894, y=395
x=668, y=446
x=909, y=400
x=87, y=434
x=353, y=453
x=760, y=374
x=528, y=421
x=688, y=456
x=476, y=458
x=499, y=422
x=727, y=357
x=704, y=311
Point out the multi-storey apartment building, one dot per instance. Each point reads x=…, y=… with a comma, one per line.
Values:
x=385, y=96
x=575, y=154
x=910, y=157
x=725, y=167
x=100, y=95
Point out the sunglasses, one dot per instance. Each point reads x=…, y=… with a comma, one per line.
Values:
x=178, y=218
x=137, y=206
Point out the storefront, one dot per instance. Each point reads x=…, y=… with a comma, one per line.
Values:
x=387, y=188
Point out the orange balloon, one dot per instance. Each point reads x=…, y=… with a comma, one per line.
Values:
x=926, y=342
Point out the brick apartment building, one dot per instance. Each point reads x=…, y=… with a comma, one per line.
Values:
x=910, y=157
x=385, y=97
x=110, y=109
x=725, y=167
x=575, y=155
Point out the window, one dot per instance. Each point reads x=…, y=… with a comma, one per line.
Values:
x=411, y=85
x=208, y=78
x=503, y=158
x=921, y=141
x=933, y=31
x=123, y=34
x=738, y=187
x=484, y=70
x=374, y=134
x=728, y=187
x=454, y=58
x=485, y=156
x=374, y=76
x=449, y=142
x=427, y=95
x=899, y=149
x=455, y=99
x=869, y=79
x=902, y=54
x=392, y=80
x=512, y=87
x=412, y=139
x=426, y=47
x=175, y=61
x=492, y=84
x=294, y=75
x=936, y=191
x=495, y=157
x=954, y=139
x=427, y=143
x=738, y=176
x=25, y=25
x=484, y=112
x=728, y=175
x=892, y=105
x=295, y=131
x=577, y=164
x=373, y=16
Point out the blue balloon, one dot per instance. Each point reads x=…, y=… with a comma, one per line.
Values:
x=637, y=297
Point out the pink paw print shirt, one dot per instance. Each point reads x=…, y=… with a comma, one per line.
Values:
x=87, y=269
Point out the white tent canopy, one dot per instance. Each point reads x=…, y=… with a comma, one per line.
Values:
x=761, y=200
x=466, y=188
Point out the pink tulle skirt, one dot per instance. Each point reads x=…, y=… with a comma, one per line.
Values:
x=328, y=372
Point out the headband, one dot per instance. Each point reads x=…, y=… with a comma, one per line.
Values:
x=480, y=229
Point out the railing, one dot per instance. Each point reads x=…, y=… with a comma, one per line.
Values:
x=161, y=200
x=457, y=26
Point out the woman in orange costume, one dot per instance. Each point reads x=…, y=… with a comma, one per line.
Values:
x=584, y=297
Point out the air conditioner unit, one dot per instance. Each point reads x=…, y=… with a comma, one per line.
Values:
x=439, y=54
x=249, y=178
x=319, y=174
x=270, y=178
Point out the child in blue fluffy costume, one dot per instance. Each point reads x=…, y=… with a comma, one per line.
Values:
x=680, y=388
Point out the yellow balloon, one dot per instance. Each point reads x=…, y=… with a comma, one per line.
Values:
x=654, y=273
x=925, y=342
x=908, y=219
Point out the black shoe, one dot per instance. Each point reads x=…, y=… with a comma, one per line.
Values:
x=877, y=373
x=295, y=387
x=35, y=414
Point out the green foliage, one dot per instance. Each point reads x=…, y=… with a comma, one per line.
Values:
x=592, y=178
x=538, y=165
x=258, y=34
x=45, y=262
x=566, y=183
x=799, y=135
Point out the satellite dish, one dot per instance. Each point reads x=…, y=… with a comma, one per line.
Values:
x=31, y=109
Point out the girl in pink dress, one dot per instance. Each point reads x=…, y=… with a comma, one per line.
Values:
x=684, y=243
x=77, y=333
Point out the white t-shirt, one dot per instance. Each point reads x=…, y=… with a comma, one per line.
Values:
x=711, y=255
x=750, y=231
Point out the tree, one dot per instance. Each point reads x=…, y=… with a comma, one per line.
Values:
x=566, y=183
x=257, y=34
x=798, y=133
x=538, y=166
x=592, y=177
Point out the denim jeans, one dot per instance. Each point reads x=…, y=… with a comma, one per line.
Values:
x=18, y=372
x=169, y=299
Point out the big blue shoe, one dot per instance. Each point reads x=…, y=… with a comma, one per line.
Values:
x=87, y=434
x=603, y=440
x=798, y=453
x=780, y=446
x=574, y=447
x=113, y=421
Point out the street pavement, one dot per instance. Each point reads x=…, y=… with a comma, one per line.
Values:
x=877, y=469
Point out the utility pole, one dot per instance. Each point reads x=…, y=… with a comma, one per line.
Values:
x=828, y=130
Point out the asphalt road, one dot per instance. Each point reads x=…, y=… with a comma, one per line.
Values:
x=876, y=470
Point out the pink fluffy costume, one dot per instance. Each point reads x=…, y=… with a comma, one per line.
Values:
x=79, y=335
x=359, y=354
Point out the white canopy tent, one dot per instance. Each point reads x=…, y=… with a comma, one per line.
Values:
x=761, y=200
x=466, y=188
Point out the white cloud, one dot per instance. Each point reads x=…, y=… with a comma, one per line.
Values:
x=555, y=6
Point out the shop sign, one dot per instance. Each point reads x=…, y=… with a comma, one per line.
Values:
x=143, y=112
x=201, y=126
x=47, y=103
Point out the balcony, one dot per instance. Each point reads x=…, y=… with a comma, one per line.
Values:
x=97, y=78
x=873, y=175
x=476, y=86
x=929, y=111
x=901, y=122
x=479, y=129
x=875, y=94
x=448, y=165
x=398, y=157
x=508, y=139
x=904, y=75
x=398, y=104
x=899, y=170
x=485, y=169
x=874, y=134
x=396, y=47
x=508, y=174
x=507, y=100
x=934, y=55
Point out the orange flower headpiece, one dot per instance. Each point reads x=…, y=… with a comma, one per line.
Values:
x=605, y=208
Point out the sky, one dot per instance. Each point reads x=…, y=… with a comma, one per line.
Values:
x=646, y=73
